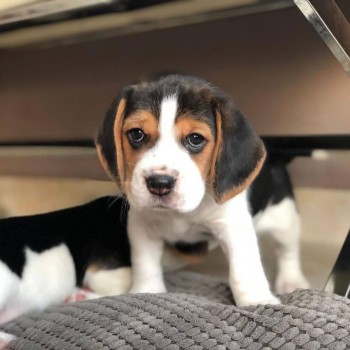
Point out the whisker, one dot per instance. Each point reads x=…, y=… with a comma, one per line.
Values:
x=112, y=202
x=124, y=209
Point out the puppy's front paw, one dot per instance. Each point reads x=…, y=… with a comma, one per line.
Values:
x=81, y=294
x=272, y=300
x=264, y=300
x=288, y=282
x=152, y=288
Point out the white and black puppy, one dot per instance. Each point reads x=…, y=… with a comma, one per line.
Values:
x=185, y=157
x=45, y=257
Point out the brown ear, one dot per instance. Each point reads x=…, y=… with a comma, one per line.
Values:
x=238, y=154
x=109, y=141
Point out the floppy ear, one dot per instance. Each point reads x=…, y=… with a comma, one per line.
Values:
x=109, y=140
x=238, y=153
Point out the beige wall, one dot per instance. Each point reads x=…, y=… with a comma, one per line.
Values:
x=274, y=64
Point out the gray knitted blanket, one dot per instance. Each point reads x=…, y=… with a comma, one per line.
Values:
x=197, y=314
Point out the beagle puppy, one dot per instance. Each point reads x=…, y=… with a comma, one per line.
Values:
x=44, y=258
x=194, y=175
x=186, y=158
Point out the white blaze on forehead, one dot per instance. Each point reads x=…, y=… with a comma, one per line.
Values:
x=168, y=111
x=168, y=156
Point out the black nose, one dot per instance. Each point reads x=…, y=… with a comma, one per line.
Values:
x=160, y=185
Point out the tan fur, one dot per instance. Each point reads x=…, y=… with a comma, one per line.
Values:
x=118, y=141
x=216, y=153
x=186, y=125
x=149, y=124
x=143, y=120
x=95, y=268
x=189, y=258
x=117, y=138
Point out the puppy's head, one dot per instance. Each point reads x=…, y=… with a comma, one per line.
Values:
x=168, y=142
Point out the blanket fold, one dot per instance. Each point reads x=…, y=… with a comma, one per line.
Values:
x=197, y=313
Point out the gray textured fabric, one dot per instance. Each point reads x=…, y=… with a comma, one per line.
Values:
x=203, y=318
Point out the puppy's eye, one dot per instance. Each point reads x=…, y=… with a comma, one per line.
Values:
x=194, y=142
x=136, y=137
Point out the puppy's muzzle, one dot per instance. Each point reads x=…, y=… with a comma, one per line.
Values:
x=160, y=185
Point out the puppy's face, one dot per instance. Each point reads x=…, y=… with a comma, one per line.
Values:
x=166, y=143
x=167, y=153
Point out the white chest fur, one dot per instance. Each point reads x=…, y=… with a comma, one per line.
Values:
x=173, y=229
x=187, y=227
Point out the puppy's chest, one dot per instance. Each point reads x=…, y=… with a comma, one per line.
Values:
x=181, y=230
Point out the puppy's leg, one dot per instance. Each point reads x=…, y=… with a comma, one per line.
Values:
x=283, y=223
x=5, y=339
x=146, y=255
x=108, y=282
x=238, y=240
x=9, y=282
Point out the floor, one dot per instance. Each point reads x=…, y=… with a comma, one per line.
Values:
x=324, y=213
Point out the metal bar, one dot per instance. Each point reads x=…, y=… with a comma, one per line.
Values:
x=330, y=23
x=339, y=280
x=47, y=8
